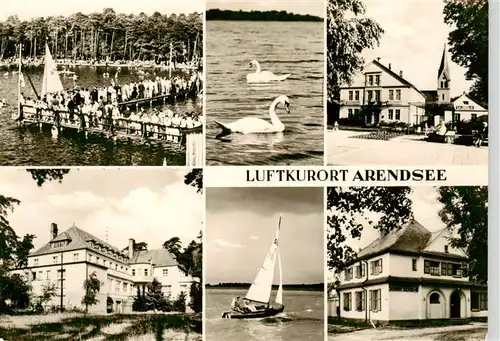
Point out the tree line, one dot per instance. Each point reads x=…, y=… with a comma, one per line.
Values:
x=314, y=286
x=217, y=14
x=97, y=36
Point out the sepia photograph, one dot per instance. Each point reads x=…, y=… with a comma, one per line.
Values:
x=101, y=83
x=407, y=263
x=264, y=264
x=407, y=82
x=265, y=81
x=101, y=254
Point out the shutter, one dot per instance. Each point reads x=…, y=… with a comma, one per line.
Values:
x=363, y=298
x=426, y=267
x=380, y=265
x=372, y=267
x=450, y=269
x=379, y=300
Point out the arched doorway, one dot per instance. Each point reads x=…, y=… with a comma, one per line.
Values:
x=455, y=309
x=435, y=305
x=109, y=305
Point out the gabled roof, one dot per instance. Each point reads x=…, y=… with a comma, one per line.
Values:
x=78, y=239
x=158, y=257
x=398, y=77
x=411, y=238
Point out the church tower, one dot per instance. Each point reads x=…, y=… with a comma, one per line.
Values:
x=443, y=80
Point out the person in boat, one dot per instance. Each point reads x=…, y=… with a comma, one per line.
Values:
x=250, y=305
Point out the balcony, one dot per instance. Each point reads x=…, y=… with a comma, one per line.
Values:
x=142, y=279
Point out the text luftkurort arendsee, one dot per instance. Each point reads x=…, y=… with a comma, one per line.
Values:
x=345, y=175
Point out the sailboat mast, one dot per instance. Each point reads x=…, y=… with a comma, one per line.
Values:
x=19, y=82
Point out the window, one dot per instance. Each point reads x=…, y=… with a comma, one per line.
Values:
x=124, y=287
x=75, y=257
x=466, y=102
x=35, y=261
x=398, y=95
x=442, y=97
x=377, y=95
x=370, y=95
x=464, y=269
x=375, y=300
x=34, y=275
x=446, y=248
x=357, y=95
x=360, y=301
x=391, y=114
x=55, y=259
x=370, y=80
x=145, y=272
x=165, y=272
x=442, y=84
x=40, y=274
x=61, y=274
x=350, y=95
x=47, y=274
x=360, y=270
x=391, y=95
x=97, y=260
x=117, y=286
x=456, y=117
x=133, y=272
x=356, y=112
x=347, y=301
x=167, y=289
x=478, y=301
x=414, y=264
x=434, y=298
x=444, y=269
x=398, y=114
x=473, y=117
x=377, y=79
x=376, y=267
x=349, y=113
x=431, y=267
x=427, y=267
x=348, y=274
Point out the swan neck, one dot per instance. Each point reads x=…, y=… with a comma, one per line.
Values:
x=272, y=114
x=258, y=66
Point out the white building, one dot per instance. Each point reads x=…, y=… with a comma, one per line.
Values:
x=378, y=94
x=410, y=274
x=465, y=109
x=73, y=255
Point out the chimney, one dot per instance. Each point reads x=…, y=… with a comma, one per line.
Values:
x=53, y=231
x=401, y=73
x=131, y=244
x=389, y=66
x=378, y=59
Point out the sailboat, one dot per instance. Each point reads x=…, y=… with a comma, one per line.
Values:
x=260, y=291
x=51, y=80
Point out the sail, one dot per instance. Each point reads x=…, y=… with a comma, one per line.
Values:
x=260, y=290
x=51, y=80
x=279, y=295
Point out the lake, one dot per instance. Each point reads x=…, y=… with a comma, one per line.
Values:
x=280, y=47
x=303, y=318
x=32, y=147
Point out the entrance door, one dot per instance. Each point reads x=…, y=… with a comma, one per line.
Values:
x=455, y=305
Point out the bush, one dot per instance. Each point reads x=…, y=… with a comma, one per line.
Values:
x=357, y=122
x=180, y=303
x=196, y=295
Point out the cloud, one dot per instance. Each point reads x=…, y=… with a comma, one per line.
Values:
x=254, y=238
x=224, y=243
x=76, y=200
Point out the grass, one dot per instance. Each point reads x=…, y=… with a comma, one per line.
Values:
x=107, y=328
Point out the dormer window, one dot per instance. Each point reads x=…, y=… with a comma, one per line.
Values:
x=59, y=244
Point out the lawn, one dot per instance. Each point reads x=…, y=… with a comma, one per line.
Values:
x=132, y=327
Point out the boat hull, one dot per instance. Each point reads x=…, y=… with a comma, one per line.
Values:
x=257, y=314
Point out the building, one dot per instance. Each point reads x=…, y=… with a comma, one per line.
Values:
x=410, y=274
x=379, y=94
x=73, y=255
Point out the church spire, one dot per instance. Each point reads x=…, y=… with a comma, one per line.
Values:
x=443, y=67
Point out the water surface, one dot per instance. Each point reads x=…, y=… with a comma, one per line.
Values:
x=302, y=319
x=280, y=47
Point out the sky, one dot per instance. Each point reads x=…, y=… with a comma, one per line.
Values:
x=425, y=210
x=311, y=7
x=413, y=41
x=150, y=205
x=241, y=225
x=27, y=9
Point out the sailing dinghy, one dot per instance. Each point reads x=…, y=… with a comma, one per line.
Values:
x=260, y=291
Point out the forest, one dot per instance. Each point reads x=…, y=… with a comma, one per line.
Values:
x=217, y=14
x=106, y=35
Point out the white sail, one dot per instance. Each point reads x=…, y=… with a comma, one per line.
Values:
x=51, y=80
x=279, y=295
x=260, y=290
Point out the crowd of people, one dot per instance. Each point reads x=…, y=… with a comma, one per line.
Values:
x=102, y=108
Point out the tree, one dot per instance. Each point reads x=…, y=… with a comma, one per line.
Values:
x=347, y=206
x=92, y=286
x=469, y=42
x=349, y=32
x=180, y=303
x=48, y=292
x=14, y=290
x=155, y=300
x=43, y=175
x=465, y=211
x=173, y=245
x=195, y=179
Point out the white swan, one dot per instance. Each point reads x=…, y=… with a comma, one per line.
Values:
x=254, y=125
x=260, y=76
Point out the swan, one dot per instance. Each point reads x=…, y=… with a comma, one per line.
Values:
x=260, y=76
x=254, y=125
